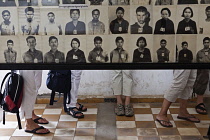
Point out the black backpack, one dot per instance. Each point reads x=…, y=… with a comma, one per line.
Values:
x=12, y=94
x=59, y=81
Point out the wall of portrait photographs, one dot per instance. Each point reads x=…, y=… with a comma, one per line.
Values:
x=104, y=31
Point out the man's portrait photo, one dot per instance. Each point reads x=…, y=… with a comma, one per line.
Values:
x=29, y=24
x=32, y=55
x=141, y=21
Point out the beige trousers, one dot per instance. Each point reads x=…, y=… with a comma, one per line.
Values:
x=122, y=82
x=32, y=82
x=182, y=85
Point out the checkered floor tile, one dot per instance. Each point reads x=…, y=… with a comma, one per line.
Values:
x=142, y=126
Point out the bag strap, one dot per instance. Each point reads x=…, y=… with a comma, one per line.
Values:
x=18, y=119
x=52, y=97
x=3, y=117
x=64, y=102
x=5, y=77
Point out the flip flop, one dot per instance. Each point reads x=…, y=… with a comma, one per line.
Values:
x=37, y=121
x=160, y=121
x=188, y=119
x=34, y=130
x=199, y=106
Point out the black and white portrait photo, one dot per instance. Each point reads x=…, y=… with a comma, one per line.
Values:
x=10, y=50
x=75, y=54
x=6, y=3
x=119, y=49
x=31, y=49
x=141, y=48
x=97, y=50
x=164, y=49
x=187, y=2
x=76, y=26
x=54, y=49
x=51, y=20
x=97, y=21
x=204, y=1
x=164, y=19
x=28, y=2
x=73, y=1
x=141, y=2
x=119, y=22
x=141, y=20
x=8, y=21
x=188, y=23
x=119, y=2
x=204, y=19
x=29, y=21
x=203, y=49
x=75, y=48
x=186, y=46
x=97, y=2
x=164, y=2
x=50, y=2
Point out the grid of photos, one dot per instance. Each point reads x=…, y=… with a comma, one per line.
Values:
x=105, y=31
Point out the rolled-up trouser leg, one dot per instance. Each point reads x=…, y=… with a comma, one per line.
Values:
x=187, y=92
x=117, y=81
x=32, y=82
x=178, y=85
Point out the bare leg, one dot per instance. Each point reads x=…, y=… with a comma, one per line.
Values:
x=200, y=100
x=127, y=100
x=119, y=99
x=34, y=116
x=163, y=113
x=183, y=110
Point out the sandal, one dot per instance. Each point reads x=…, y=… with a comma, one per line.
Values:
x=189, y=118
x=34, y=130
x=37, y=121
x=199, y=106
x=74, y=113
x=160, y=121
x=81, y=108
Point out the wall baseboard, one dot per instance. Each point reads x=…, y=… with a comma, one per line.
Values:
x=45, y=99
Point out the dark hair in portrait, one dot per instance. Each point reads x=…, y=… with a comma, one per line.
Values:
x=186, y=9
x=98, y=38
x=169, y=12
x=53, y=37
x=29, y=37
x=50, y=13
x=10, y=41
x=29, y=9
x=75, y=39
x=141, y=38
x=119, y=38
x=184, y=42
x=120, y=9
x=5, y=11
x=95, y=11
x=207, y=8
x=163, y=40
x=206, y=38
x=72, y=10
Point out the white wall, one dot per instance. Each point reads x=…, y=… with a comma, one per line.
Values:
x=96, y=83
x=146, y=82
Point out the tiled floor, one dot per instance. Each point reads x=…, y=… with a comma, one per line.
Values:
x=142, y=126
